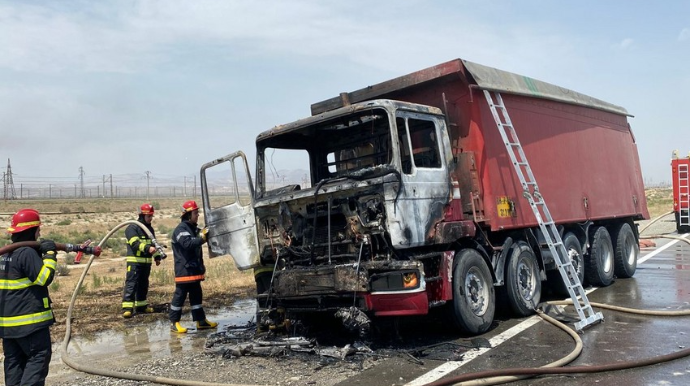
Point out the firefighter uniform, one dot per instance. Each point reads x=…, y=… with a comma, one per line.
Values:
x=187, y=240
x=26, y=314
x=139, y=261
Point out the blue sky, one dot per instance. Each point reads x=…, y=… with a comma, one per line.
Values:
x=125, y=87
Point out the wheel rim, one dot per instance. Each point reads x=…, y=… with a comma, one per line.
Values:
x=630, y=250
x=607, y=258
x=527, y=283
x=574, y=259
x=476, y=292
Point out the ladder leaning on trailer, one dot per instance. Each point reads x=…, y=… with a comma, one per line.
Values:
x=541, y=211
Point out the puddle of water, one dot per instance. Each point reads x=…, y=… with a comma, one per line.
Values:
x=155, y=339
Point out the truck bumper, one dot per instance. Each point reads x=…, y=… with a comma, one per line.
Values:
x=397, y=304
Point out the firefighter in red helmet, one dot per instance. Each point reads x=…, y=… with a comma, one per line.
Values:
x=141, y=252
x=187, y=240
x=26, y=314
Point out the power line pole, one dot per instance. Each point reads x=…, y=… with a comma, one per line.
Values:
x=148, y=178
x=81, y=182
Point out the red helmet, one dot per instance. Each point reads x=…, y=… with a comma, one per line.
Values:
x=23, y=220
x=189, y=206
x=146, y=209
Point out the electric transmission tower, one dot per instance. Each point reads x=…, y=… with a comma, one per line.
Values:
x=8, y=183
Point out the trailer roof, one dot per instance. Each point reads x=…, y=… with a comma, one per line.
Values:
x=484, y=77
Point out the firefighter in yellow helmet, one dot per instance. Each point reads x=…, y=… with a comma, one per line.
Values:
x=26, y=314
x=141, y=252
x=187, y=240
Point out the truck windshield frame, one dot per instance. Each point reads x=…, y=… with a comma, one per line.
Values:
x=333, y=148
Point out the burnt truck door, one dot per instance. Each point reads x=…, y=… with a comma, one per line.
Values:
x=423, y=146
x=228, y=199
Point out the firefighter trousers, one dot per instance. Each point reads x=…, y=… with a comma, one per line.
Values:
x=136, y=287
x=195, y=298
x=27, y=359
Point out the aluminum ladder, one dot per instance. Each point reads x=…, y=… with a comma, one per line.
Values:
x=541, y=212
x=683, y=196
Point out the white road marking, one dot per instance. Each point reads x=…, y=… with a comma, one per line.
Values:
x=659, y=250
x=450, y=366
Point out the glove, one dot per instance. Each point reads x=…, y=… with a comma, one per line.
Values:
x=157, y=258
x=204, y=234
x=47, y=246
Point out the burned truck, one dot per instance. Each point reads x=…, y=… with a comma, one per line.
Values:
x=408, y=200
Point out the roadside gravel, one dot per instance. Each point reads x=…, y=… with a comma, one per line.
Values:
x=289, y=370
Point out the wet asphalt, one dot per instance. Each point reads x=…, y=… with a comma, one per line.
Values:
x=662, y=282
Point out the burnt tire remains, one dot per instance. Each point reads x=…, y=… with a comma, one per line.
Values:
x=599, y=262
x=474, y=299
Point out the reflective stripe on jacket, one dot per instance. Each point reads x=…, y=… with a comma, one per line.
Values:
x=138, y=244
x=24, y=280
x=186, y=246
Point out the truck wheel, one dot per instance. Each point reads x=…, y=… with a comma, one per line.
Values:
x=523, y=283
x=474, y=299
x=627, y=248
x=599, y=265
x=574, y=249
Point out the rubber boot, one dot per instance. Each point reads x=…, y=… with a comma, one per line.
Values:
x=205, y=325
x=149, y=310
x=177, y=327
x=127, y=314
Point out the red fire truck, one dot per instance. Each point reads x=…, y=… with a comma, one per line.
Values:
x=681, y=191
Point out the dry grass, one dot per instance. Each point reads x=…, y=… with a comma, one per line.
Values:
x=659, y=201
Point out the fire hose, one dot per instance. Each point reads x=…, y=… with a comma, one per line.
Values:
x=64, y=355
x=83, y=248
x=479, y=378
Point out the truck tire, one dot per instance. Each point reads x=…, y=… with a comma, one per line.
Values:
x=523, y=283
x=599, y=264
x=574, y=249
x=474, y=299
x=627, y=249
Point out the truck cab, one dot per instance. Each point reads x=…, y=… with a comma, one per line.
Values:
x=377, y=182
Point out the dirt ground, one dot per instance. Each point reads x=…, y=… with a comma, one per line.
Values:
x=99, y=300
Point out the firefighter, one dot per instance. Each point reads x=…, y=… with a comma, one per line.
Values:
x=187, y=240
x=26, y=314
x=140, y=254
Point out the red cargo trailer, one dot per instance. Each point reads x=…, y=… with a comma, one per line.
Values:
x=680, y=173
x=411, y=199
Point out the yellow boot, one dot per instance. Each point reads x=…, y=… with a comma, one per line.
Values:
x=177, y=327
x=205, y=324
x=127, y=314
